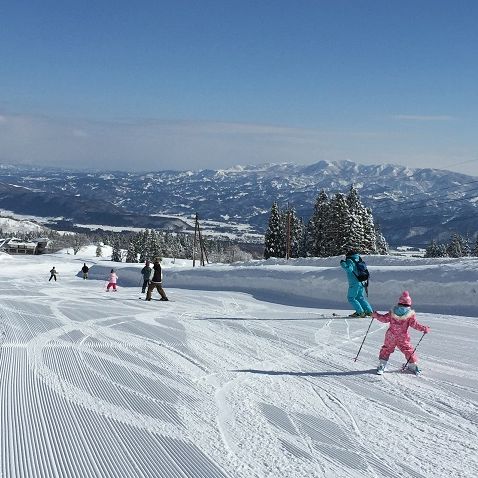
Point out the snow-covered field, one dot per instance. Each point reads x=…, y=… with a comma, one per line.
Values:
x=244, y=373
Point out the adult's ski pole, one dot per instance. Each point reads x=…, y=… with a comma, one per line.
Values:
x=361, y=345
x=411, y=355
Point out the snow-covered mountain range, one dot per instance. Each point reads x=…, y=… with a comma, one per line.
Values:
x=412, y=206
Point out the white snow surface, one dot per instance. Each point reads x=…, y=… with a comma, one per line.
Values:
x=246, y=371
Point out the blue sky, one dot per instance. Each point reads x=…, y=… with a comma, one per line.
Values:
x=211, y=83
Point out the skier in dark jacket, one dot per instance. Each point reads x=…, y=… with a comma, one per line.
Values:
x=53, y=274
x=85, y=270
x=146, y=273
x=156, y=281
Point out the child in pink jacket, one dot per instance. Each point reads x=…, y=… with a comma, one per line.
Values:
x=112, y=281
x=400, y=318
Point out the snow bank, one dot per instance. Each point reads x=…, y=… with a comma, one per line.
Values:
x=435, y=285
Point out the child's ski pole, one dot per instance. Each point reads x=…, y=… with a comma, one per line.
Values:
x=361, y=345
x=411, y=355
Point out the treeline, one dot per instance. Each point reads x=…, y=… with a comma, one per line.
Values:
x=128, y=246
x=457, y=246
x=148, y=244
x=338, y=224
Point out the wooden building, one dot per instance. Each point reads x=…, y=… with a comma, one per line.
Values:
x=13, y=245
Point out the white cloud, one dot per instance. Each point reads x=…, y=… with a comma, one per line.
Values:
x=424, y=117
x=152, y=145
x=79, y=133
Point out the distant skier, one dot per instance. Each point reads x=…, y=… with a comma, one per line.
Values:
x=146, y=273
x=156, y=281
x=85, y=270
x=53, y=273
x=112, y=281
x=356, y=291
x=400, y=318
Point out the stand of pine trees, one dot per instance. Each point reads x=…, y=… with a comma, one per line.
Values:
x=337, y=225
x=458, y=246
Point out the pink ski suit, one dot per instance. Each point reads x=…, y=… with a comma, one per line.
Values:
x=112, y=281
x=397, y=334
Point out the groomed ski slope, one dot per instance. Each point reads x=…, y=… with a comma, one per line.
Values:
x=223, y=384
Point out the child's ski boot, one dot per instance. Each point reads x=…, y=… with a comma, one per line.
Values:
x=381, y=367
x=413, y=367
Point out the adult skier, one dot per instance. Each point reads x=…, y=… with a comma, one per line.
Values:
x=156, y=280
x=85, y=270
x=400, y=318
x=356, y=290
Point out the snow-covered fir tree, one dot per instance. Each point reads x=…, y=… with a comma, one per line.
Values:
x=116, y=252
x=143, y=246
x=297, y=232
x=340, y=235
x=154, y=248
x=434, y=249
x=131, y=255
x=316, y=240
x=338, y=225
x=381, y=243
x=458, y=246
x=369, y=239
x=99, y=251
x=359, y=216
x=474, y=251
x=275, y=234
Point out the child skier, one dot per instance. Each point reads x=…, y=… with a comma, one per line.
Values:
x=112, y=281
x=53, y=274
x=400, y=318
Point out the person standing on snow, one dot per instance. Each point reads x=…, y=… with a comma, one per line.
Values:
x=355, y=294
x=112, y=281
x=156, y=281
x=53, y=274
x=400, y=318
x=146, y=273
x=85, y=270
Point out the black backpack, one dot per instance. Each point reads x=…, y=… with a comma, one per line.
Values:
x=362, y=272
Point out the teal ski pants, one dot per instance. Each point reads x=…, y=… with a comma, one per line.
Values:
x=356, y=298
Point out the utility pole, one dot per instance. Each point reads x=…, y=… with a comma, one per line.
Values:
x=287, y=244
x=202, y=248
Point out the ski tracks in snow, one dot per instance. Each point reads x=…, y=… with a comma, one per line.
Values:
x=219, y=385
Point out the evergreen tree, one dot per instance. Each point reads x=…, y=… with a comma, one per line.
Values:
x=99, y=251
x=154, y=249
x=297, y=232
x=364, y=235
x=131, y=255
x=433, y=249
x=340, y=234
x=301, y=238
x=381, y=243
x=275, y=234
x=143, y=245
x=475, y=248
x=116, y=252
x=317, y=227
x=457, y=247
x=368, y=244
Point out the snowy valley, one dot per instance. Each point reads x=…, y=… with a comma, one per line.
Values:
x=237, y=201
